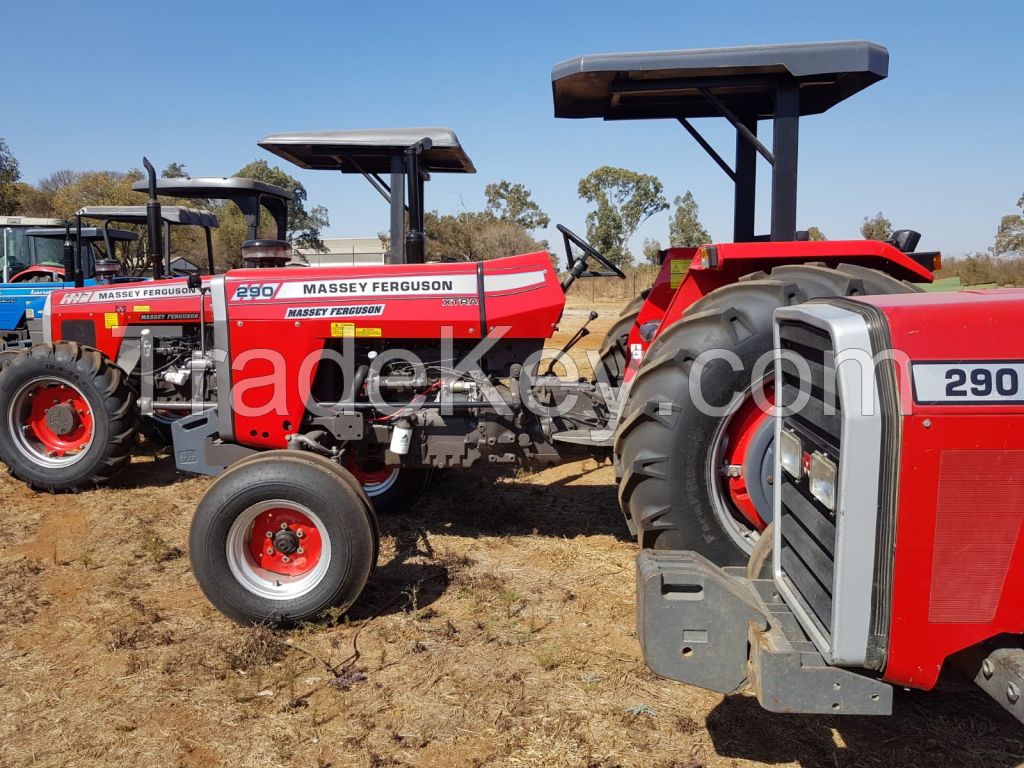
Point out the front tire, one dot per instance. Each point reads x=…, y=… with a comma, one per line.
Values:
x=674, y=491
x=392, y=490
x=69, y=417
x=281, y=539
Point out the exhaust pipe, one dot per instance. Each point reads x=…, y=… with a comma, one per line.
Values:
x=153, y=222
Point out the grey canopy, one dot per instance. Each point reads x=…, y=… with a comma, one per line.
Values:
x=369, y=151
x=667, y=84
x=136, y=214
x=88, y=233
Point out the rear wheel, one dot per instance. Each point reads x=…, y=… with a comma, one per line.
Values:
x=391, y=489
x=281, y=539
x=614, y=350
x=699, y=478
x=69, y=417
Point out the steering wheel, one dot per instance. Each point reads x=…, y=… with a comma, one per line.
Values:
x=588, y=250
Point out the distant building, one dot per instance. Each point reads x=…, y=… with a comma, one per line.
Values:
x=342, y=251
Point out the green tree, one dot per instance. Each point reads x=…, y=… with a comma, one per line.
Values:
x=624, y=199
x=652, y=251
x=815, y=234
x=475, y=236
x=1010, y=235
x=685, y=229
x=302, y=230
x=174, y=171
x=876, y=228
x=507, y=201
x=9, y=175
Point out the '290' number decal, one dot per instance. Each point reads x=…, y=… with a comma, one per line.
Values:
x=969, y=383
x=251, y=291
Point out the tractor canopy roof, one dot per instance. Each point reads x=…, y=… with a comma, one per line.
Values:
x=216, y=188
x=371, y=151
x=674, y=84
x=136, y=214
x=87, y=233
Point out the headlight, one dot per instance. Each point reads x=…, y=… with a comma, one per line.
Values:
x=792, y=452
x=823, y=479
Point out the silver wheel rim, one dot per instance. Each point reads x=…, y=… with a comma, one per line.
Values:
x=739, y=533
x=385, y=485
x=30, y=447
x=259, y=581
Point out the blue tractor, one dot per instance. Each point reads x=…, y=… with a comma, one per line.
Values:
x=37, y=263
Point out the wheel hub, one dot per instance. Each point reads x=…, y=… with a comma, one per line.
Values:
x=286, y=542
x=61, y=419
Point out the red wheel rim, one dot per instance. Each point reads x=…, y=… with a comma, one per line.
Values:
x=52, y=421
x=375, y=477
x=285, y=541
x=744, y=424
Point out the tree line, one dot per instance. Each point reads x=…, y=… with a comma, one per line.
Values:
x=621, y=199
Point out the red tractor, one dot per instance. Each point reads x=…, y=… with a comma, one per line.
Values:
x=898, y=533
x=334, y=382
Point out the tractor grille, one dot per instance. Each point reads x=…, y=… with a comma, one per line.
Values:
x=807, y=527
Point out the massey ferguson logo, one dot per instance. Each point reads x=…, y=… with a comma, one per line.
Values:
x=76, y=298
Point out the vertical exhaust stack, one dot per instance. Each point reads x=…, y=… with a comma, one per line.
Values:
x=153, y=222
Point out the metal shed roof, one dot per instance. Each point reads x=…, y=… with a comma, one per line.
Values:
x=666, y=84
x=369, y=151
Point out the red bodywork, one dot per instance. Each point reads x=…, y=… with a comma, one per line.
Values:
x=689, y=274
x=959, y=559
x=279, y=320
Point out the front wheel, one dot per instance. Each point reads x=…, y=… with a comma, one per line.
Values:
x=281, y=539
x=69, y=417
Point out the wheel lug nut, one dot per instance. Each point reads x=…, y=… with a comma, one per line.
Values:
x=299, y=533
x=284, y=526
x=285, y=559
x=270, y=534
x=270, y=550
x=300, y=551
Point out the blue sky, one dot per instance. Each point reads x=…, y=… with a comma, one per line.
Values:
x=938, y=146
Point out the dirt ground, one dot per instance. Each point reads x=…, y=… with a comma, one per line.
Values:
x=498, y=630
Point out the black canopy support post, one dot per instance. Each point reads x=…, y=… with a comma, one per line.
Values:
x=167, y=248
x=414, y=237
x=78, y=276
x=707, y=147
x=250, y=208
x=738, y=124
x=745, y=193
x=209, y=250
x=397, y=210
x=784, y=170
x=69, y=252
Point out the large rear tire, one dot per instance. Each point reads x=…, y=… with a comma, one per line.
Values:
x=282, y=538
x=674, y=490
x=69, y=417
x=614, y=350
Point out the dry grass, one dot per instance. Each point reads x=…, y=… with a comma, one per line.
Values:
x=498, y=631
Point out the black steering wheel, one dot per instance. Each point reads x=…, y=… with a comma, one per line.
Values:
x=577, y=267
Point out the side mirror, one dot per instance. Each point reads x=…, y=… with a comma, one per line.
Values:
x=195, y=282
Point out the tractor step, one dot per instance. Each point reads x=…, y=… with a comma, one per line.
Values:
x=596, y=438
x=197, y=447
